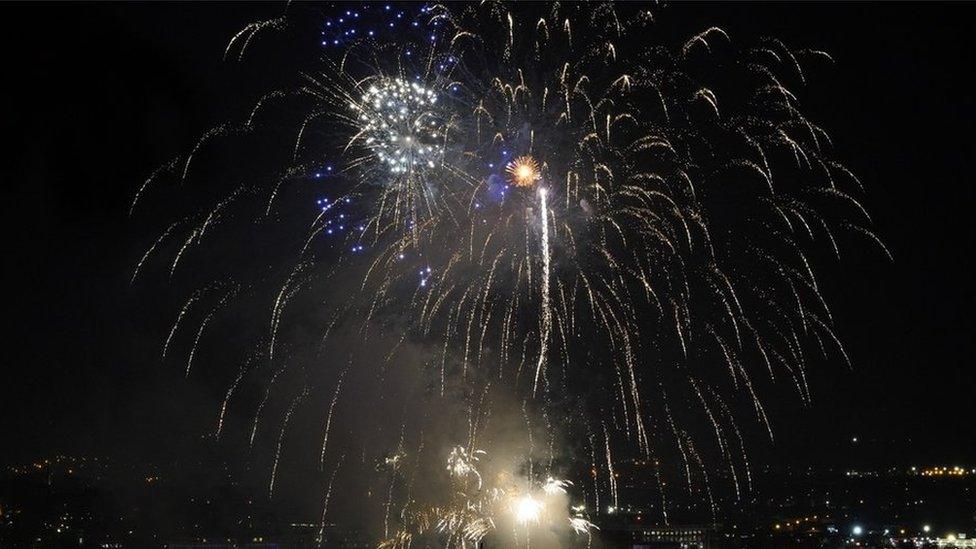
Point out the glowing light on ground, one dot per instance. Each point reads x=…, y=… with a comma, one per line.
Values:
x=527, y=510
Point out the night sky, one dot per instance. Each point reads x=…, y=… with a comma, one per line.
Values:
x=95, y=97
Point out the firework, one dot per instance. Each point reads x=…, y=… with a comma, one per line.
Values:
x=527, y=509
x=523, y=171
x=509, y=502
x=398, y=124
x=576, y=222
x=461, y=464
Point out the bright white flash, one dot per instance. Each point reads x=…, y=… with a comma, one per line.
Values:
x=527, y=509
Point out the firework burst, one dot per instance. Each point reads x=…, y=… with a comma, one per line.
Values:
x=509, y=508
x=523, y=171
x=399, y=125
x=574, y=221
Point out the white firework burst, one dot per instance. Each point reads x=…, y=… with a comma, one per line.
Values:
x=400, y=124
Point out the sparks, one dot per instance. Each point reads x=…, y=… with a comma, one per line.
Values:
x=618, y=271
x=523, y=171
x=400, y=124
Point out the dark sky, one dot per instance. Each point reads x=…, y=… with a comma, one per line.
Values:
x=95, y=97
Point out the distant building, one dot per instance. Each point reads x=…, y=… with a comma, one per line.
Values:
x=229, y=545
x=956, y=541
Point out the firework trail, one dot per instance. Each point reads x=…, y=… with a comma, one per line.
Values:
x=546, y=312
x=475, y=190
x=328, y=419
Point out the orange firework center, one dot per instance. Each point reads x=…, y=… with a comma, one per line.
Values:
x=523, y=171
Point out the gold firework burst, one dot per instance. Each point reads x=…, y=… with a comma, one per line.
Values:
x=523, y=171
